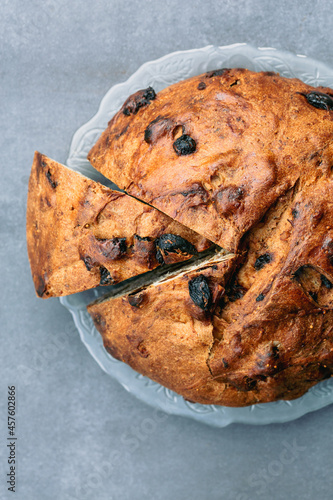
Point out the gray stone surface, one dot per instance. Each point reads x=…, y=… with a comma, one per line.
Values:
x=80, y=435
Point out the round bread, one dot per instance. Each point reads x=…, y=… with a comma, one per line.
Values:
x=244, y=159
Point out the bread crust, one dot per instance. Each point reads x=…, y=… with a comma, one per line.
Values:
x=255, y=136
x=255, y=177
x=81, y=234
x=279, y=333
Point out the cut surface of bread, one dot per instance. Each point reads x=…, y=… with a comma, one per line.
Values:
x=81, y=234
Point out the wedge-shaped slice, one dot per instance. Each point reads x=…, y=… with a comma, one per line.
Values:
x=81, y=234
x=165, y=331
x=217, y=150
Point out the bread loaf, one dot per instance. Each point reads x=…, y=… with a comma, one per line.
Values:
x=244, y=159
x=232, y=157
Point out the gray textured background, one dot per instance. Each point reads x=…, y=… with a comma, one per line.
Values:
x=80, y=435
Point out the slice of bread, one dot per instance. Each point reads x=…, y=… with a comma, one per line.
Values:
x=81, y=234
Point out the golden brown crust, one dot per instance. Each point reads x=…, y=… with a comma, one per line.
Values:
x=279, y=333
x=81, y=234
x=257, y=180
x=255, y=135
